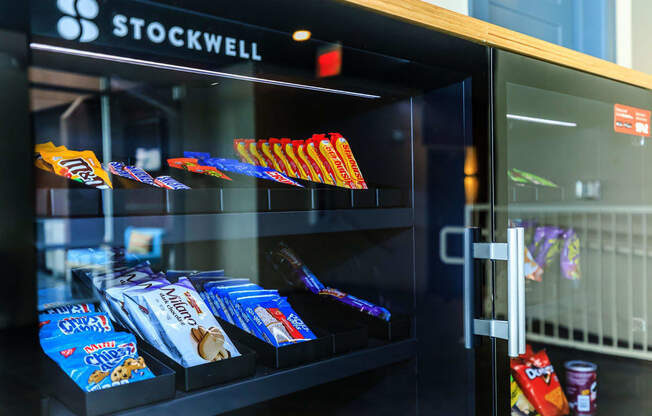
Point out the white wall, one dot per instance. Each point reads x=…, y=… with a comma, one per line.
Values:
x=642, y=35
x=459, y=6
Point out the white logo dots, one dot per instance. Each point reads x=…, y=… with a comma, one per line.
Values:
x=77, y=25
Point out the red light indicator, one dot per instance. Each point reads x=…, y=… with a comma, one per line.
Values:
x=329, y=62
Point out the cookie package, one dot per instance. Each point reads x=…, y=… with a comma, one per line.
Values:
x=68, y=309
x=98, y=360
x=189, y=331
x=62, y=325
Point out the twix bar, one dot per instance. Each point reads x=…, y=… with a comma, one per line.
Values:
x=343, y=150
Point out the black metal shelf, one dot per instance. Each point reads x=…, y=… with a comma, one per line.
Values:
x=93, y=231
x=268, y=384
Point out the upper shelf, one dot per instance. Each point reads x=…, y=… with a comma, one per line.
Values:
x=88, y=232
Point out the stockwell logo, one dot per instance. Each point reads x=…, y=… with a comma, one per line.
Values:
x=77, y=24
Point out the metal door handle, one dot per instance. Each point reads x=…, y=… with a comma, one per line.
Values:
x=513, y=330
x=443, y=244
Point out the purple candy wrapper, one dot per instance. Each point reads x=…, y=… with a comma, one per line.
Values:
x=546, y=244
x=169, y=182
x=286, y=262
x=570, y=255
x=232, y=165
x=359, y=304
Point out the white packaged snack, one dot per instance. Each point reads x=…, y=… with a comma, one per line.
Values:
x=140, y=315
x=185, y=325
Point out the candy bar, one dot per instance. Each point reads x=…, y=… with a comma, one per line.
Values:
x=57, y=325
x=332, y=159
x=118, y=168
x=266, y=150
x=318, y=163
x=293, y=159
x=359, y=304
x=218, y=292
x=230, y=165
x=240, y=147
x=287, y=263
x=98, y=360
x=140, y=175
x=169, y=182
x=253, y=151
x=277, y=149
x=192, y=165
x=78, y=166
x=343, y=149
x=308, y=164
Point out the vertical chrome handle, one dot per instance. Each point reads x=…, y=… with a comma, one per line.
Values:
x=513, y=330
x=520, y=235
x=515, y=292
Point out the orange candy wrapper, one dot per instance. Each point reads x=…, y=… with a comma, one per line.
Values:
x=537, y=378
x=253, y=151
x=192, y=165
x=337, y=167
x=343, y=150
x=296, y=164
x=266, y=150
x=80, y=166
x=308, y=165
x=240, y=147
x=283, y=161
x=318, y=162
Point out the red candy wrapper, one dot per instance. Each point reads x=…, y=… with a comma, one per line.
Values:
x=538, y=380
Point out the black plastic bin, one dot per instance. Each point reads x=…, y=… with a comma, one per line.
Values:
x=209, y=374
x=194, y=201
x=286, y=356
x=347, y=335
x=55, y=382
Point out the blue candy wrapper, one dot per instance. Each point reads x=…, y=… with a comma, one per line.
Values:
x=215, y=298
x=98, y=360
x=58, y=325
x=232, y=165
x=70, y=309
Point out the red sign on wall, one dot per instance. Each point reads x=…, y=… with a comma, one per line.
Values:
x=631, y=120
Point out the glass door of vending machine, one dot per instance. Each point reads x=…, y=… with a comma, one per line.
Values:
x=255, y=216
x=572, y=158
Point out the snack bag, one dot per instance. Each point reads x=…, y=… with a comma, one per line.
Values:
x=98, y=360
x=48, y=147
x=266, y=150
x=70, y=309
x=193, y=165
x=118, y=168
x=131, y=275
x=217, y=292
x=286, y=262
x=237, y=310
x=115, y=302
x=318, y=162
x=279, y=153
x=332, y=159
x=168, y=182
x=186, y=326
x=240, y=147
x=309, y=166
x=79, y=166
x=294, y=161
x=532, y=270
x=519, y=403
x=140, y=175
x=570, y=255
x=343, y=150
x=546, y=245
x=252, y=147
x=538, y=380
x=521, y=176
x=55, y=325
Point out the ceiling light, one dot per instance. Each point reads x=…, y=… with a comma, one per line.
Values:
x=542, y=120
x=301, y=35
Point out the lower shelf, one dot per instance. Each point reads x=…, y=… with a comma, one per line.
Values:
x=268, y=384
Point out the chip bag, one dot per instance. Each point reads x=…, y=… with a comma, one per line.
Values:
x=538, y=380
x=520, y=406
